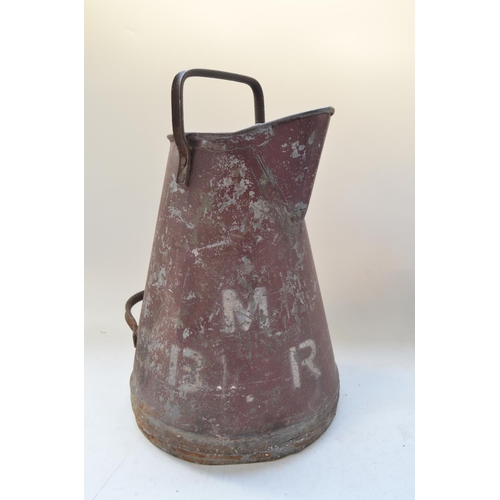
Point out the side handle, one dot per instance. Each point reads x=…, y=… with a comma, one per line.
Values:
x=184, y=169
x=128, y=314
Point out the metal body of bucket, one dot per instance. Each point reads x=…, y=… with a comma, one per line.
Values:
x=234, y=362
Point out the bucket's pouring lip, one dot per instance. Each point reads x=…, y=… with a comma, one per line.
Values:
x=254, y=128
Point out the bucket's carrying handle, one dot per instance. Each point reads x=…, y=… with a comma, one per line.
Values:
x=128, y=314
x=178, y=112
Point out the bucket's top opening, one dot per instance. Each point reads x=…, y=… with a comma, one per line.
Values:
x=252, y=131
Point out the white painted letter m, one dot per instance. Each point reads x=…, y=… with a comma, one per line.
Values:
x=234, y=312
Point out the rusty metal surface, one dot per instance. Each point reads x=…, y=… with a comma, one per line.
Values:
x=224, y=450
x=234, y=362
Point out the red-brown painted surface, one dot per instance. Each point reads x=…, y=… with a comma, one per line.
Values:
x=234, y=361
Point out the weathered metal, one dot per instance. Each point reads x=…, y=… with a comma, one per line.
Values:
x=234, y=362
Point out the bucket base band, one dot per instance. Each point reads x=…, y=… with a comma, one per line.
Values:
x=210, y=450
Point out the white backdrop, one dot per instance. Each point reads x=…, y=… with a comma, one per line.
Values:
x=357, y=56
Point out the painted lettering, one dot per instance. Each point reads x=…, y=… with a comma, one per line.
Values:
x=192, y=382
x=192, y=365
x=308, y=362
x=172, y=372
x=236, y=316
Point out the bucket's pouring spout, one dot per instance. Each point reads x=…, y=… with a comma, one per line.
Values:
x=291, y=157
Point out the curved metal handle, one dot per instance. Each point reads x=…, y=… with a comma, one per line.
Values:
x=128, y=314
x=178, y=112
